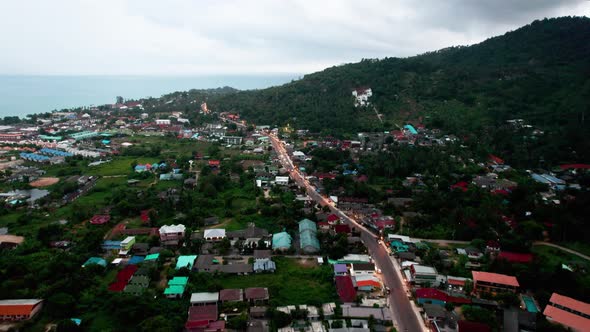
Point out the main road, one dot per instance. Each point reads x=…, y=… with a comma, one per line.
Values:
x=404, y=315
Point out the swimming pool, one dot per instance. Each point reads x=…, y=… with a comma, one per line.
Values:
x=529, y=302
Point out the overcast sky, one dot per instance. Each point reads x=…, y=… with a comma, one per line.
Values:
x=192, y=37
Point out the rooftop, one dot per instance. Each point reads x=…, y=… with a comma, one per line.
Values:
x=495, y=278
x=204, y=297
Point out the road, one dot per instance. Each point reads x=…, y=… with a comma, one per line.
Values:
x=403, y=313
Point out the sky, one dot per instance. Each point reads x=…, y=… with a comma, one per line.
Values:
x=205, y=37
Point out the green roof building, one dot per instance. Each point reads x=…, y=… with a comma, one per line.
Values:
x=185, y=261
x=281, y=241
x=83, y=135
x=95, y=261
x=176, y=287
x=308, y=236
x=152, y=257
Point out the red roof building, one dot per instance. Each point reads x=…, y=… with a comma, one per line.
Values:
x=332, y=218
x=100, y=219
x=431, y=294
x=214, y=163
x=123, y=278
x=516, y=257
x=256, y=294
x=496, y=160
x=493, y=282
x=575, y=166
x=199, y=317
x=460, y=185
x=345, y=289
x=145, y=216
x=19, y=309
x=342, y=229
x=568, y=312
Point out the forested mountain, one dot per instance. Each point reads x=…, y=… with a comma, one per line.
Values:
x=540, y=72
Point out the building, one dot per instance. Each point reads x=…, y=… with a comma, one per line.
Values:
x=127, y=243
x=176, y=287
x=264, y=265
x=256, y=295
x=171, y=234
x=422, y=275
x=366, y=282
x=345, y=288
x=568, y=312
x=361, y=96
x=231, y=295
x=233, y=140
x=201, y=317
x=431, y=295
x=340, y=269
x=185, y=262
x=204, y=298
x=214, y=234
x=308, y=236
x=282, y=180
x=358, y=269
x=163, y=121
x=84, y=135
x=493, y=283
x=19, y=309
x=281, y=241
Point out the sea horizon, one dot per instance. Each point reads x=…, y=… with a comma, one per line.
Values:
x=21, y=95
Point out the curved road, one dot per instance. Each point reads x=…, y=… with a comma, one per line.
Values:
x=405, y=317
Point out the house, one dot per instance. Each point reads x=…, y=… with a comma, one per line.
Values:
x=258, y=312
x=214, y=163
x=19, y=309
x=340, y=270
x=122, y=278
x=231, y=295
x=127, y=243
x=423, y=275
x=214, y=234
x=163, y=122
x=431, y=295
x=236, y=268
x=137, y=284
x=95, y=261
x=366, y=282
x=568, y=312
x=233, y=140
x=199, y=317
x=204, y=298
x=264, y=265
x=282, y=180
x=380, y=315
x=185, y=261
x=171, y=234
x=433, y=312
x=176, y=287
x=342, y=229
x=308, y=236
x=262, y=254
x=10, y=241
x=204, y=263
x=281, y=241
x=100, y=219
x=358, y=269
x=493, y=282
x=256, y=295
x=345, y=288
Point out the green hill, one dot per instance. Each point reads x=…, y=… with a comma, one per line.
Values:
x=540, y=73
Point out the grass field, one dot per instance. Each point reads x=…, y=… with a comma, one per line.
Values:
x=553, y=256
x=583, y=248
x=296, y=281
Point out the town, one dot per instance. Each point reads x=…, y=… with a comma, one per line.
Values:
x=196, y=220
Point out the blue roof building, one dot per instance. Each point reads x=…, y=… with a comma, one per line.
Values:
x=411, y=129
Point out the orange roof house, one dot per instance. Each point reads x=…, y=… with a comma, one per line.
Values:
x=21, y=309
x=568, y=312
x=493, y=282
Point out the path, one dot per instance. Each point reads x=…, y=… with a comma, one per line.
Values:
x=573, y=252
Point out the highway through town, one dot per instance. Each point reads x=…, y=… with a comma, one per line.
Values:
x=404, y=314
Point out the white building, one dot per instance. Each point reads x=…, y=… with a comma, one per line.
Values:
x=362, y=96
x=162, y=121
x=214, y=234
x=282, y=180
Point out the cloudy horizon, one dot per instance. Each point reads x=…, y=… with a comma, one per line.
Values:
x=261, y=37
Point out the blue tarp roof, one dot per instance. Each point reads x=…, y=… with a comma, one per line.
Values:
x=411, y=129
x=136, y=260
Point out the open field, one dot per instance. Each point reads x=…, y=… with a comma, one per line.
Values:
x=294, y=282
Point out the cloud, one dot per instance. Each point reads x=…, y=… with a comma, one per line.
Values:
x=176, y=37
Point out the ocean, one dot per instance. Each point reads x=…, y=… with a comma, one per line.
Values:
x=23, y=95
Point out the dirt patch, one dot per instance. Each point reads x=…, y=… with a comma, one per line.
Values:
x=307, y=262
x=44, y=182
